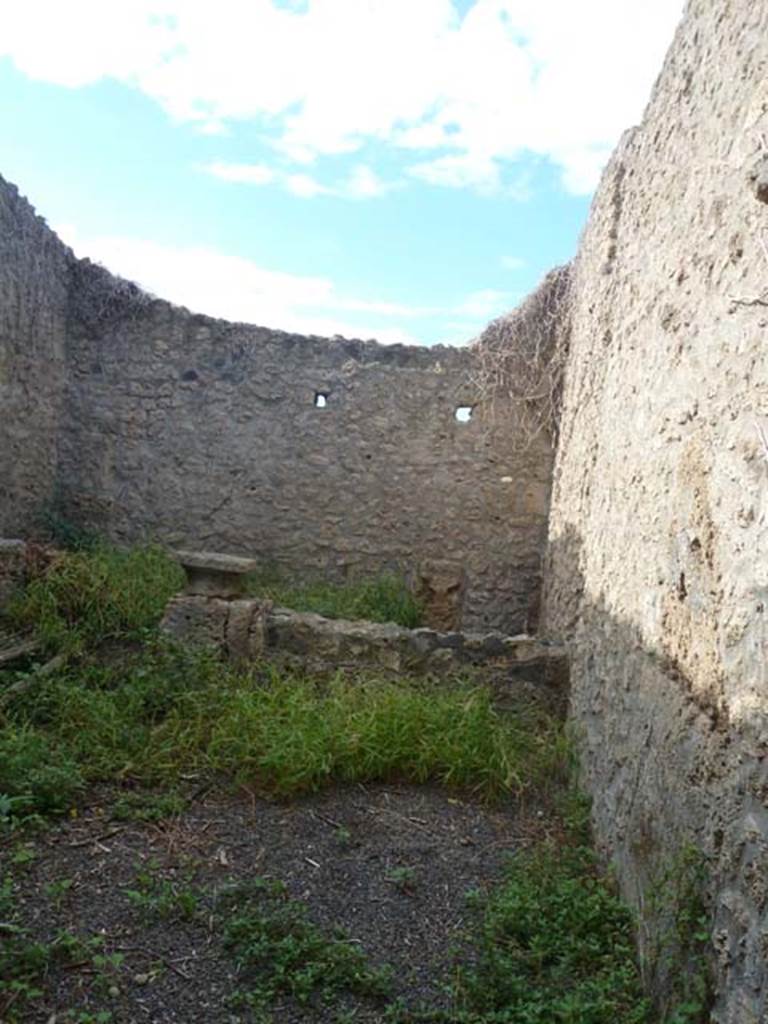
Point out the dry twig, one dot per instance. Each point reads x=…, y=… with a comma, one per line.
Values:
x=520, y=358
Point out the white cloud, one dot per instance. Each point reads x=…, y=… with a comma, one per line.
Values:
x=213, y=282
x=305, y=186
x=513, y=262
x=459, y=171
x=244, y=174
x=361, y=183
x=484, y=304
x=210, y=281
x=551, y=77
x=364, y=183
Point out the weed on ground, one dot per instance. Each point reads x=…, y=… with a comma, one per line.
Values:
x=382, y=598
x=328, y=891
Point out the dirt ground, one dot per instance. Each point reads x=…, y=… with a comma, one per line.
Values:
x=390, y=865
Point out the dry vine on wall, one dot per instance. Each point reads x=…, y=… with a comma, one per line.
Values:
x=520, y=359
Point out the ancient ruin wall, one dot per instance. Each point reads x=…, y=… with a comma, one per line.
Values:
x=34, y=282
x=339, y=457
x=209, y=434
x=659, y=525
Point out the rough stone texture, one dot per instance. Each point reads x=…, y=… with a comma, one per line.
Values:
x=204, y=433
x=440, y=590
x=34, y=282
x=237, y=628
x=249, y=629
x=658, y=564
x=12, y=563
x=146, y=421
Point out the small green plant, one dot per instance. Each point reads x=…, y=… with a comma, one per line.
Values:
x=57, y=891
x=25, y=962
x=404, y=878
x=35, y=775
x=13, y=813
x=555, y=944
x=164, y=898
x=23, y=854
x=281, y=952
x=678, y=922
x=342, y=836
x=382, y=598
x=106, y=968
x=140, y=806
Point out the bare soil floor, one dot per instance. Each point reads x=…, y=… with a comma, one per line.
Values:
x=390, y=865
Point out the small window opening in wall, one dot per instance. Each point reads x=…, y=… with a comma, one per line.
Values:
x=464, y=413
x=321, y=399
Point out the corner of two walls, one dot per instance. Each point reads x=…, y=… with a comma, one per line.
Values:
x=657, y=569
x=335, y=457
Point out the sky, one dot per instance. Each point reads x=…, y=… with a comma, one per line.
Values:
x=399, y=169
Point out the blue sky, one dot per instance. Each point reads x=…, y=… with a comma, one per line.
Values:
x=399, y=169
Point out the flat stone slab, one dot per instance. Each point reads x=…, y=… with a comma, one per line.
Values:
x=208, y=561
x=213, y=575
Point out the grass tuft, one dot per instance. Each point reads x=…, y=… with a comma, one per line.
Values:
x=382, y=598
x=87, y=597
x=279, y=951
x=166, y=711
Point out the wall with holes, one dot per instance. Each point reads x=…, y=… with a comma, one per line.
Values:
x=136, y=418
x=319, y=456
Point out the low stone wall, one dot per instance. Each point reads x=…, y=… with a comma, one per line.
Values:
x=251, y=629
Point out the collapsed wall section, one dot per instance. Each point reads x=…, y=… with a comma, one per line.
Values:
x=34, y=284
x=658, y=563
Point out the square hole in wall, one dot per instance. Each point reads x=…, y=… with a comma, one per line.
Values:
x=464, y=413
x=321, y=399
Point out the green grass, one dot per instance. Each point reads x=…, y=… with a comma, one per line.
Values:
x=149, y=710
x=166, y=711
x=555, y=944
x=279, y=951
x=87, y=597
x=382, y=598
x=552, y=943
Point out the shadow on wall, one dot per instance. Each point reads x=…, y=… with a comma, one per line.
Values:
x=669, y=771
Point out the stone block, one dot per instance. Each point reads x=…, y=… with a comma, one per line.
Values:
x=210, y=574
x=440, y=589
x=196, y=620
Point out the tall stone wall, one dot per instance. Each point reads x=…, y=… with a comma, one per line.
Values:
x=329, y=456
x=658, y=563
x=324, y=456
x=34, y=283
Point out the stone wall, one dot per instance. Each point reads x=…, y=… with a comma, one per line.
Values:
x=207, y=434
x=34, y=283
x=315, y=455
x=658, y=564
